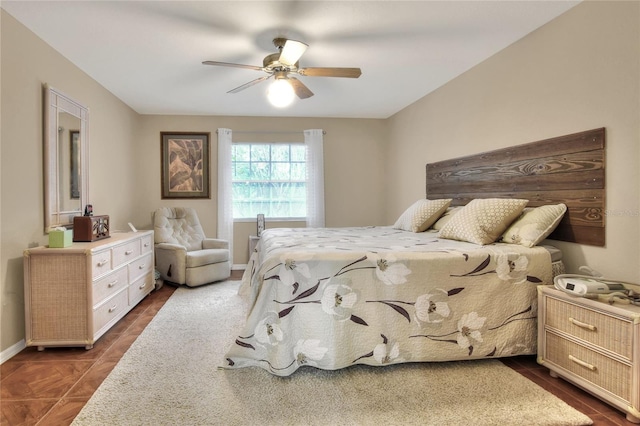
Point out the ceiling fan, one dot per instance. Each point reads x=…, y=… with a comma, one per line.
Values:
x=282, y=64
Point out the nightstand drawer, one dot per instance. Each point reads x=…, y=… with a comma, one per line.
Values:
x=607, y=331
x=598, y=369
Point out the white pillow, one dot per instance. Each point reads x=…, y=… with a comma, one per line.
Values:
x=534, y=225
x=482, y=221
x=421, y=215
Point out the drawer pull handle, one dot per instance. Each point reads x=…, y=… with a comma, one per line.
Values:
x=142, y=286
x=113, y=308
x=112, y=283
x=582, y=363
x=582, y=324
x=128, y=252
x=103, y=262
x=146, y=244
x=142, y=266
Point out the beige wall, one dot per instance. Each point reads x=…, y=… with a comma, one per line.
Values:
x=579, y=72
x=353, y=153
x=27, y=63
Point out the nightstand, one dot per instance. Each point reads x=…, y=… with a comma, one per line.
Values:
x=253, y=242
x=592, y=344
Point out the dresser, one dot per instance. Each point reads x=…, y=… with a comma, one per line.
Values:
x=592, y=344
x=73, y=295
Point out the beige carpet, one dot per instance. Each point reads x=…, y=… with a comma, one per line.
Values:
x=169, y=376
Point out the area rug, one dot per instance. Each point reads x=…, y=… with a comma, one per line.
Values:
x=170, y=376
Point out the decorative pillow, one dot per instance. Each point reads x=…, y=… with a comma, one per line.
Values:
x=448, y=214
x=421, y=215
x=482, y=221
x=534, y=225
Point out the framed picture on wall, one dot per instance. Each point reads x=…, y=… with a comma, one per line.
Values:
x=185, y=165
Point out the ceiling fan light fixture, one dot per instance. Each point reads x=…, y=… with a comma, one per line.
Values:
x=280, y=93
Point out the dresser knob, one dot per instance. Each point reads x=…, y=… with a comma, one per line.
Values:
x=128, y=252
x=113, y=308
x=112, y=283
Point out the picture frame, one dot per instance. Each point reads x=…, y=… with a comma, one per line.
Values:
x=185, y=165
x=260, y=224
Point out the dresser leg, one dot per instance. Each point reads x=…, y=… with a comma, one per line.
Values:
x=88, y=347
x=632, y=418
x=553, y=374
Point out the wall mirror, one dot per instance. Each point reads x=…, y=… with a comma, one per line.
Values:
x=66, y=168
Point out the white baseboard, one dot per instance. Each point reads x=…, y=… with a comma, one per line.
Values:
x=12, y=351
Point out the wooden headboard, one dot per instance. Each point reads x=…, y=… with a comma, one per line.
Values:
x=567, y=169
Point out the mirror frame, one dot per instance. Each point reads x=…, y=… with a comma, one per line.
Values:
x=55, y=102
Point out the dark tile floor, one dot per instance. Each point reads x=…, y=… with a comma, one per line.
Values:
x=51, y=387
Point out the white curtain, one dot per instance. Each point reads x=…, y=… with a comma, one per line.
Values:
x=225, y=200
x=313, y=139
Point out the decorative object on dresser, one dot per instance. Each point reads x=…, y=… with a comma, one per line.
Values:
x=90, y=228
x=184, y=255
x=73, y=295
x=594, y=344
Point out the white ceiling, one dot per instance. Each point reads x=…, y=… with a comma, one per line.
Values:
x=149, y=53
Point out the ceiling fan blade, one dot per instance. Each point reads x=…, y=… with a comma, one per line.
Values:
x=291, y=52
x=229, y=64
x=249, y=84
x=300, y=89
x=331, y=72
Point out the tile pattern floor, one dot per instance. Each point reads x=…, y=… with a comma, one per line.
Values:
x=51, y=387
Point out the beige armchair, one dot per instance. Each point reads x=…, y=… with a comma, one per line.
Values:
x=183, y=254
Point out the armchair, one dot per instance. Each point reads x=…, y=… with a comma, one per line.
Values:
x=183, y=254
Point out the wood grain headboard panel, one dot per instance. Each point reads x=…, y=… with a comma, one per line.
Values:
x=567, y=169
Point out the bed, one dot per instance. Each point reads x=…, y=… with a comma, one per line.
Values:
x=429, y=288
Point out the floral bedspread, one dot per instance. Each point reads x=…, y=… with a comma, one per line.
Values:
x=335, y=297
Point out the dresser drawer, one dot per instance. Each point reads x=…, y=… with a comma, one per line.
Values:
x=110, y=309
x=596, y=327
x=101, y=263
x=146, y=243
x=125, y=253
x=605, y=373
x=140, y=267
x=139, y=289
x=109, y=285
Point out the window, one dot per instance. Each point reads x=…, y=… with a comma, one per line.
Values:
x=269, y=178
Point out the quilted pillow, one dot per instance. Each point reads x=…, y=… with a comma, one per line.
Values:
x=421, y=215
x=482, y=221
x=534, y=225
x=446, y=217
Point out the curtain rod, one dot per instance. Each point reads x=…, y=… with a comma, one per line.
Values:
x=270, y=132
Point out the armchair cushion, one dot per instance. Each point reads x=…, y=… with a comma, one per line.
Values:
x=205, y=257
